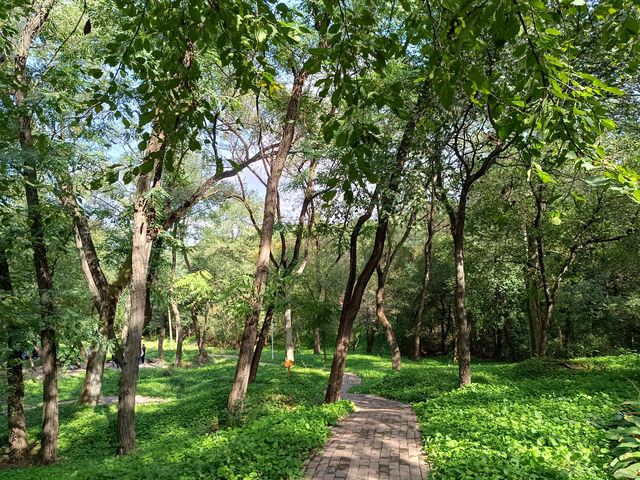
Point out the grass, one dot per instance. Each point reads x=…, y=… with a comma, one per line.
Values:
x=189, y=436
x=527, y=420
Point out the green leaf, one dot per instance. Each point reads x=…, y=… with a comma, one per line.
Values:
x=329, y=195
x=597, y=181
x=261, y=35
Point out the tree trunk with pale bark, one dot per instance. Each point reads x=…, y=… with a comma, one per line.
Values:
x=288, y=333
x=317, y=348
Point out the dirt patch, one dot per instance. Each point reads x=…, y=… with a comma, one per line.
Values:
x=140, y=400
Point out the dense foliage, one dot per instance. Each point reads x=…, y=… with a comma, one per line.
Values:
x=442, y=178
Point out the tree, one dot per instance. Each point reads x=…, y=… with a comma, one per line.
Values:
x=44, y=274
x=243, y=368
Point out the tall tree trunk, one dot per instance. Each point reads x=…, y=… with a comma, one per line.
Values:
x=92, y=387
x=288, y=333
x=161, y=335
x=316, y=342
x=141, y=244
x=396, y=358
x=179, y=333
x=371, y=336
x=537, y=320
x=105, y=296
x=462, y=324
x=44, y=275
x=262, y=341
x=200, y=340
x=428, y=246
x=16, y=423
x=174, y=305
x=443, y=333
x=245, y=356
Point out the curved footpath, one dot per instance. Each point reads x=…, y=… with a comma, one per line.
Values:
x=380, y=441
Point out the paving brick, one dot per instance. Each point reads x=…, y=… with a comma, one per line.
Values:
x=380, y=440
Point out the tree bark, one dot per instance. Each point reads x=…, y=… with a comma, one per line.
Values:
x=355, y=287
x=262, y=341
x=91, y=389
x=177, y=319
x=16, y=423
x=245, y=356
x=317, y=348
x=44, y=275
x=161, y=335
x=200, y=340
x=428, y=246
x=353, y=299
x=537, y=327
x=141, y=244
x=396, y=358
x=371, y=336
x=462, y=324
x=443, y=332
x=288, y=333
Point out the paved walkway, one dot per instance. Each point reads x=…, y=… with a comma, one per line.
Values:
x=380, y=441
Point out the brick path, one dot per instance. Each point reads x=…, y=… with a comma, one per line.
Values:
x=379, y=441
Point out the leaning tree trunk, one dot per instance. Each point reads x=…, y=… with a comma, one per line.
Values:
x=262, y=341
x=351, y=304
x=247, y=344
x=396, y=358
x=355, y=287
x=462, y=324
x=16, y=423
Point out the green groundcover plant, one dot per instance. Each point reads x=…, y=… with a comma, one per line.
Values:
x=626, y=436
x=530, y=420
x=188, y=435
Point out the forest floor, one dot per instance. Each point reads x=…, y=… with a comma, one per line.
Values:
x=527, y=420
